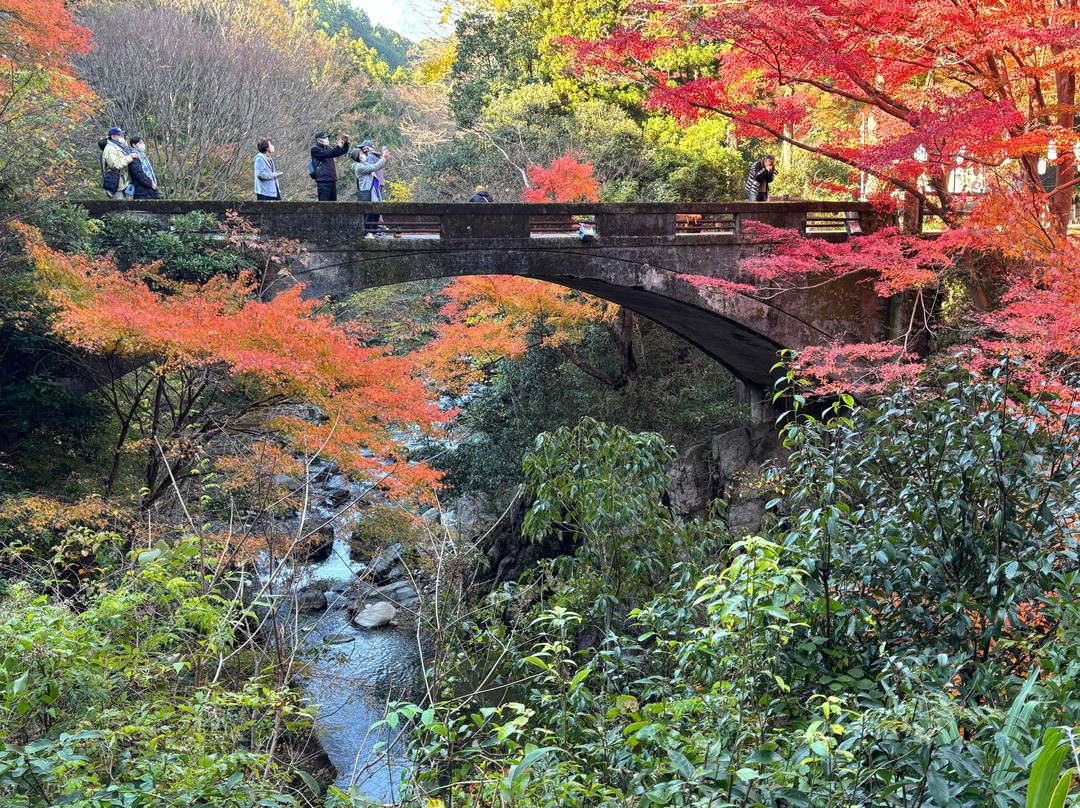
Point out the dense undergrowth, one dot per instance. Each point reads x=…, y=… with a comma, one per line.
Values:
x=901, y=634
x=137, y=684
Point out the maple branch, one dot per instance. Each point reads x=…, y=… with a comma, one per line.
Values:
x=913, y=189
x=582, y=365
x=519, y=169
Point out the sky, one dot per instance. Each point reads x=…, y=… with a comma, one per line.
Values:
x=415, y=19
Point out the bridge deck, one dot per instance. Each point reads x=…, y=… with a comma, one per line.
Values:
x=648, y=257
x=521, y=220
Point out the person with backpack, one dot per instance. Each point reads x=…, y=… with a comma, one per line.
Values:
x=115, y=159
x=482, y=195
x=322, y=167
x=762, y=172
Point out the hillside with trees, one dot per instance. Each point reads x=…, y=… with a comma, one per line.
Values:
x=183, y=433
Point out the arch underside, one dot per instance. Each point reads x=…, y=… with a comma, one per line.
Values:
x=742, y=333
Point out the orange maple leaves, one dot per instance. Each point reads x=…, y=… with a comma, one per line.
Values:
x=567, y=179
x=284, y=349
x=500, y=317
x=36, y=34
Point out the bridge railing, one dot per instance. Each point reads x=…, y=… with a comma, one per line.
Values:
x=520, y=221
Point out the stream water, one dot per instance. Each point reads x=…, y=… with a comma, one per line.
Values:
x=352, y=674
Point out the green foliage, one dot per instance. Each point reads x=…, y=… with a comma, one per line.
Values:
x=1047, y=786
x=189, y=247
x=118, y=704
x=34, y=394
x=334, y=17
x=937, y=512
x=604, y=488
x=493, y=53
x=679, y=393
x=807, y=667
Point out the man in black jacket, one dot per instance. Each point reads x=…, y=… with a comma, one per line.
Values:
x=762, y=172
x=325, y=168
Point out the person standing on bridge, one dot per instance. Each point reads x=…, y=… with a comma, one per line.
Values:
x=762, y=172
x=367, y=165
x=325, y=173
x=266, y=173
x=115, y=159
x=142, y=173
x=482, y=195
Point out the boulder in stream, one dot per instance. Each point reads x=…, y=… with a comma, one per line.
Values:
x=400, y=593
x=311, y=599
x=375, y=615
x=336, y=600
x=379, y=568
x=338, y=639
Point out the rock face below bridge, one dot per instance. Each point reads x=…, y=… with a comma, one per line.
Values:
x=730, y=467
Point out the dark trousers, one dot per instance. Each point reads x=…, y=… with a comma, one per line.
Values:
x=265, y=198
x=371, y=220
x=760, y=196
x=327, y=191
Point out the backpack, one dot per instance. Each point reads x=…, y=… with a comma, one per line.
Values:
x=312, y=169
x=753, y=186
x=110, y=180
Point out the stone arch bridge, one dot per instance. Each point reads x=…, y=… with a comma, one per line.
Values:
x=631, y=254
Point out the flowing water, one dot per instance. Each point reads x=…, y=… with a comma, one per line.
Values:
x=353, y=673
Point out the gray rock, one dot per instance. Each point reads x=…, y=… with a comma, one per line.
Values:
x=311, y=600
x=338, y=639
x=745, y=517
x=320, y=545
x=471, y=510
x=401, y=593
x=431, y=517
x=690, y=483
x=380, y=566
x=730, y=451
x=375, y=615
x=337, y=496
x=337, y=600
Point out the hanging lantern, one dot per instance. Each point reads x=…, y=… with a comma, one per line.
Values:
x=1051, y=151
x=921, y=154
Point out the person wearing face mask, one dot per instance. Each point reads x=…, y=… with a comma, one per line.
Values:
x=116, y=160
x=143, y=178
x=323, y=156
x=266, y=173
x=368, y=166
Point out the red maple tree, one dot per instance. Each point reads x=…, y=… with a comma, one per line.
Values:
x=567, y=179
x=213, y=361
x=910, y=90
x=918, y=95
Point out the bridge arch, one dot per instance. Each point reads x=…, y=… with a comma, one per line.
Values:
x=635, y=261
